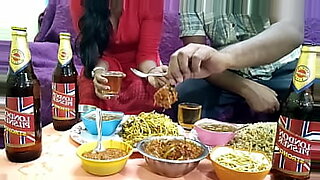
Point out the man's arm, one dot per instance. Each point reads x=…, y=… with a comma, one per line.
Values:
x=284, y=35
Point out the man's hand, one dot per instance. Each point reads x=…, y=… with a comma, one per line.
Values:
x=261, y=98
x=196, y=61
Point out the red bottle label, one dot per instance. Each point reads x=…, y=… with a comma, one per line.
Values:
x=63, y=101
x=292, y=151
x=19, y=122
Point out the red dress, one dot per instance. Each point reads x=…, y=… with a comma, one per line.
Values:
x=136, y=40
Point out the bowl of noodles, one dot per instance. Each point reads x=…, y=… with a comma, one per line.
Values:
x=172, y=156
x=230, y=164
x=148, y=124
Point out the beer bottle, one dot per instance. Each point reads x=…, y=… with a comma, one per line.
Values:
x=299, y=117
x=64, y=88
x=22, y=113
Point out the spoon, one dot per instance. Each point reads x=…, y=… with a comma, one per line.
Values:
x=99, y=147
x=144, y=75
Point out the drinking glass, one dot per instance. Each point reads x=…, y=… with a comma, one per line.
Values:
x=114, y=82
x=188, y=114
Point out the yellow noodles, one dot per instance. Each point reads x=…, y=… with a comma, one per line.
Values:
x=147, y=124
x=243, y=161
x=257, y=137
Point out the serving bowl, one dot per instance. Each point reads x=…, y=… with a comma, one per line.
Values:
x=167, y=167
x=104, y=167
x=227, y=173
x=213, y=137
x=110, y=121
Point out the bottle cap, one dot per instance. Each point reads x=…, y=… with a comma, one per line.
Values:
x=22, y=31
x=64, y=35
x=16, y=28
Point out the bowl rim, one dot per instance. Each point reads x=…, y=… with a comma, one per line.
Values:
x=107, y=160
x=84, y=114
x=202, y=121
x=260, y=152
x=204, y=154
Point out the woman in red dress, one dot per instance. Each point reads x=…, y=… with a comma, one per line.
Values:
x=116, y=35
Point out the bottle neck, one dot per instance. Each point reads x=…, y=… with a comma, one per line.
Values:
x=64, y=52
x=20, y=55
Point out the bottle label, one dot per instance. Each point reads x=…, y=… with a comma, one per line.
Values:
x=64, y=56
x=305, y=72
x=18, y=60
x=292, y=151
x=63, y=101
x=19, y=122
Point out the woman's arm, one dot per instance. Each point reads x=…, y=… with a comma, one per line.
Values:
x=76, y=11
x=150, y=34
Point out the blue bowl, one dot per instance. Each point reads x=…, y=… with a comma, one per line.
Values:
x=110, y=121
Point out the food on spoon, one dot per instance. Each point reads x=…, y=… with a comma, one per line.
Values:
x=165, y=96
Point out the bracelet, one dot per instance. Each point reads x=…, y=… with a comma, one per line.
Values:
x=95, y=69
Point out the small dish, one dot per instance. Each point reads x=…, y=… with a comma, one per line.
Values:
x=211, y=137
x=110, y=121
x=104, y=167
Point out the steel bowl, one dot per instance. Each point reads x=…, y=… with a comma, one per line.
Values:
x=171, y=168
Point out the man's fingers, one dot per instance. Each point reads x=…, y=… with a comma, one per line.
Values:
x=174, y=73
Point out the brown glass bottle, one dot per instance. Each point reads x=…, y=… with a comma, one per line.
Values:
x=299, y=115
x=64, y=88
x=22, y=115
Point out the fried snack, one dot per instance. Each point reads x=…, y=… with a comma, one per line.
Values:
x=257, y=137
x=165, y=96
x=145, y=125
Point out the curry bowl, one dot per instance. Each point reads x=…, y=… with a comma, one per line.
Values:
x=170, y=167
x=214, y=133
x=110, y=121
x=104, y=167
x=231, y=164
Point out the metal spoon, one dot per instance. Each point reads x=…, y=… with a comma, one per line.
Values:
x=144, y=75
x=99, y=147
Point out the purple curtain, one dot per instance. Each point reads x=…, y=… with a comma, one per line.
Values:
x=312, y=22
x=170, y=41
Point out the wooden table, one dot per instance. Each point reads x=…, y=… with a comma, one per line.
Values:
x=59, y=161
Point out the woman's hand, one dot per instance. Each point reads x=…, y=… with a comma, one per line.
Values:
x=158, y=82
x=261, y=98
x=196, y=61
x=99, y=83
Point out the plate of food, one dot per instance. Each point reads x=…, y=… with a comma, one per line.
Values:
x=132, y=129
